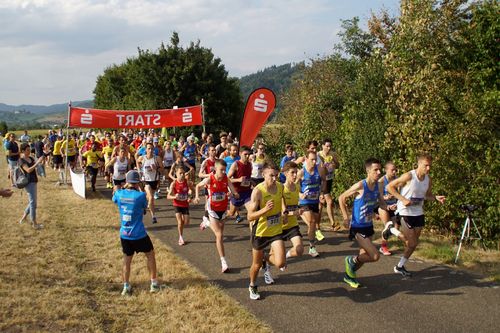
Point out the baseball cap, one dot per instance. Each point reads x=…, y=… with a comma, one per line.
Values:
x=133, y=177
x=155, y=139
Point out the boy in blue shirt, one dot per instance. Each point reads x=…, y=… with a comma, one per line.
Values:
x=132, y=204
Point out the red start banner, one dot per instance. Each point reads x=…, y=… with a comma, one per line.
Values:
x=95, y=118
x=260, y=105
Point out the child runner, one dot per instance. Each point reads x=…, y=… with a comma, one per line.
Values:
x=180, y=190
x=218, y=185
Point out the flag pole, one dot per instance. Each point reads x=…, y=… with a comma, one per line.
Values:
x=67, y=146
x=203, y=115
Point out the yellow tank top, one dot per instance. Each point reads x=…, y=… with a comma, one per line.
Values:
x=57, y=148
x=328, y=164
x=291, y=202
x=71, y=147
x=271, y=223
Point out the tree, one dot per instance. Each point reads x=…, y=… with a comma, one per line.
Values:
x=173, y=75
x=3, y=127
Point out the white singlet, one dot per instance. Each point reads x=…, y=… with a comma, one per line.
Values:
x=120, y=169
x=149, y=168
x=415, y=191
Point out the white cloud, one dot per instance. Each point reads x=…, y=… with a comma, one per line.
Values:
x=52, y=51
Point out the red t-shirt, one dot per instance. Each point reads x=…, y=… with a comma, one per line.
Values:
x=182, y=189
x=244, y=170
x=218, y=193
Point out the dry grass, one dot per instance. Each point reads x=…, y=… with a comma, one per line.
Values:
x=67, y=276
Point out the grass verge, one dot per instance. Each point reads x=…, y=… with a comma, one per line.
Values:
x=66, y=277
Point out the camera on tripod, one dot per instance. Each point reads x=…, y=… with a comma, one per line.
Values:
x=468, y=208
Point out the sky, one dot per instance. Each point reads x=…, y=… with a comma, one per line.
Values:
x=51, y=51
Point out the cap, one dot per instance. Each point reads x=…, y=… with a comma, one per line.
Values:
x=133, y=177
x=155, y=139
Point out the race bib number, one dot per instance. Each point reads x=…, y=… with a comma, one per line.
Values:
x=273, y=220
x=148, y=168
x=182, y=196
x=312, y=195
x=127, y=218
x=122, y=171
x=416, y=201
x=245, y=182
x=292, y=208
x=218, y=196
x=168, y=162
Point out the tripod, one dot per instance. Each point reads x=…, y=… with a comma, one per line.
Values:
x=466, y=229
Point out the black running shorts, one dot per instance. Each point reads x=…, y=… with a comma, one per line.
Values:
x=364, y=232
x=413, y=221
x=129, y=246
x=182, y=210
x=288, y=234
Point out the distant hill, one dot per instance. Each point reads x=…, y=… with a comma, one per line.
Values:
x=37, y=109
x=37, y=116
x=276, y=78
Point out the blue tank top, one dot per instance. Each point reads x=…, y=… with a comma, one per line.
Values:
x=282, y=164
x=390, y=201
x=362, y=209
x=311, y=183
x=190, y=153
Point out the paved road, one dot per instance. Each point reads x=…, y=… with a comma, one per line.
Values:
x=311, y=297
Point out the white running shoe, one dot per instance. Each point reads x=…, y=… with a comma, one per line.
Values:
x=312, y=252
x=268, y=278
x=224, y=267
x=205, y=223
x=254, y=292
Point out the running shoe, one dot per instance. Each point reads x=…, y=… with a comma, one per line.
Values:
x=268, y=278
x=319, y=235
x=154, y=220
x=127, y=291
x=238, y=218
x=37, y=226
x=156, y=196
x=384, y=250
x=224, y=267
x=283, y=268
x=254, y=292
x=386, y=233
x=312, y=252
x=349, y=267
x=402, y=271
x=181, y=241
x=352, y=282
x=204, y=223
x=155, y=287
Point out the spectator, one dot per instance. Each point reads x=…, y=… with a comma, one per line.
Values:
x=29, y=165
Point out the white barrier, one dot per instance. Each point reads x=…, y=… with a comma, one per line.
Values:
x=78, y=183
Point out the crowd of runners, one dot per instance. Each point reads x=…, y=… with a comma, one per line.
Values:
x=142, y=166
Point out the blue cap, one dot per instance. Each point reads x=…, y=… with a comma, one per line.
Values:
x=133, y=177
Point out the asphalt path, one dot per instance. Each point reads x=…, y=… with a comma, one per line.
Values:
x=310, y=296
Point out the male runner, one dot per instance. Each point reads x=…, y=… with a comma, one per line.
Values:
x=416, y=186
x=312, y=188
x=360, y=225
x=258, y=159
x=388, y=215
x=330, y=162
x=152, y=168
x=240, y=175
x=265, y=208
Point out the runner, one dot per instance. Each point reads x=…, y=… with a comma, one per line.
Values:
x=312, y=187
x=330, y=162
x=179, y=160
x=107, y=152
x=257, y=161
x=152, y=168
x=289, y=156
x=208, y=165
x=190, y=150
x=168, y=160
x=416, y=186
x=360, y=225
x=71, y=146
x=93, y=156
x=132, y=203
x=388, y=215
x=57, y=159
x=265, y=208
x=180, y=192
x=223, y=146
x=216, y=206
x=118, y=165
x=291, y=229
x=240, y=175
